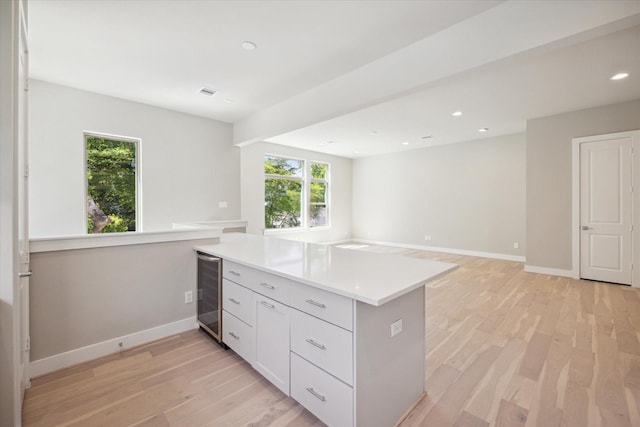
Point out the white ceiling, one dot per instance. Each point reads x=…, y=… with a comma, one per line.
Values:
x=162, y=52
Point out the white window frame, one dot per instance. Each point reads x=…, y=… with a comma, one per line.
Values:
x=327, y=181
x=306, y=179
x=303, y=197
x=138, y=144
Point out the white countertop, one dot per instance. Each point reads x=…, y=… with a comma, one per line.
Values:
x=372, y=278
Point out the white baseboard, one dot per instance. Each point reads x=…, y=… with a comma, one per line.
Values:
x=549, y=271
x=336, y=242
x=505, y=257
x=104, y=348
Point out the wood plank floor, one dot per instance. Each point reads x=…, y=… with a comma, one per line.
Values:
x=504, y=348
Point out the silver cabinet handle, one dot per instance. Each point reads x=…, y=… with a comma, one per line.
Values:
x=317, y=304
x=234, y=335
x=25, y=274
x=235, y=273
x=312, y=342
x=234, y=301
x=316, y=394
x=268, y=286
x=266, y=304
x=585, y=228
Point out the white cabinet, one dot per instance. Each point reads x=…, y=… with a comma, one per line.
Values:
x=334, y=355
x=328, y=398
x=272, y=341
x=238, y=336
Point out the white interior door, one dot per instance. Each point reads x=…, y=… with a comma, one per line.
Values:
x=606, y=210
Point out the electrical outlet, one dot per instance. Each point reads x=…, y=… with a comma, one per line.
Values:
x=223, y=205
x=516, y=245
x=188, y=297
x=427, y=237
x=396, y=327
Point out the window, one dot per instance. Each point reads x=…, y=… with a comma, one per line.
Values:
x=283, y=187
x=290, y=199
x=112, y=184
x=319, y=195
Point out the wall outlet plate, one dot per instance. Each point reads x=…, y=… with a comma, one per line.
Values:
x=396, y=327
x=188, y=297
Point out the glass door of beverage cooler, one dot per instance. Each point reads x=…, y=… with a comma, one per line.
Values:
x=210, y=294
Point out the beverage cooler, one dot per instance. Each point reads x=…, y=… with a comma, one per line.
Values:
x=210, y=294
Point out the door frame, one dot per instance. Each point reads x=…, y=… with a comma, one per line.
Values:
x=635, y=203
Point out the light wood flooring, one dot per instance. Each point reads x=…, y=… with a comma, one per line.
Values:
x=504, y=348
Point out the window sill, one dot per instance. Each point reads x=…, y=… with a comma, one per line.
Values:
x=270, y=231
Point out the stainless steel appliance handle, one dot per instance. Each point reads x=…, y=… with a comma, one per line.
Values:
x=25, y=274
x=207, y=257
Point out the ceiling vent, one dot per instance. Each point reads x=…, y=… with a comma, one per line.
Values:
x=207, y=91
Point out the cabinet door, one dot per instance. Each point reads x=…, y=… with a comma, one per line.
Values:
x=272, y=341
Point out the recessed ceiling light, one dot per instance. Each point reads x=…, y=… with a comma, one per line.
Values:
x=483, y=130
x=207, y=91
x=247, y=45
x=457, y=113
x=405, y=143
x=619, y=76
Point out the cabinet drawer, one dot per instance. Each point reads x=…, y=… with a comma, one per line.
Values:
x=238, y=336
x=238, y=301
x=333, y=308
x=326, y=397
x=323, y=344
x=270, y=285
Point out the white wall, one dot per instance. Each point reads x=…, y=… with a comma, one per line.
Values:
x=252, y=183
x=466, y=196
x=549, y=192
x=187, y=163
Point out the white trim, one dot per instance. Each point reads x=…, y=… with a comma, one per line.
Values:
x=575, y=197
x=549, y=271
x=335, y=242
x=104, y=348
x=48, y=244
x=481, y=254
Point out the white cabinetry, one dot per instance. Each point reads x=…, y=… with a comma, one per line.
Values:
x=331, y=353
x=272, y=341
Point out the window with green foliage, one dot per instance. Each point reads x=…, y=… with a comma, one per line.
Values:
x=283, y=192
x=319, y=195
x=111, y=184
x=290, y=199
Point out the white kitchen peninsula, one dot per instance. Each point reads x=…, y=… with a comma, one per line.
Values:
x=339, y=330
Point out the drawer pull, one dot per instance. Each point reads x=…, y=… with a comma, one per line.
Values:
x=234, y=335
x=312, y=342
x=268, y=286
x=316, y=394
x=266, y=304
x=234, y=301
x=235, y=273
x=316, y=303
